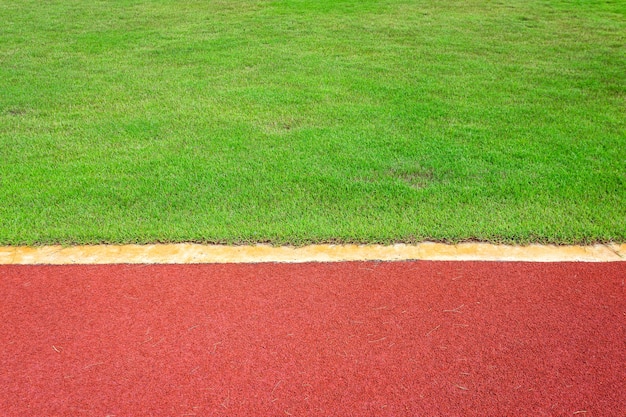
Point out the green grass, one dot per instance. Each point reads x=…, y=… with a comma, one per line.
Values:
x=301, y=121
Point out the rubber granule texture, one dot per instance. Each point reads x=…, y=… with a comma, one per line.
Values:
x=337, y=339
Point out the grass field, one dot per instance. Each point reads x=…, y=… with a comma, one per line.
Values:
x=312, y=121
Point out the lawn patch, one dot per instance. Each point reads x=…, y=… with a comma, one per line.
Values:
x=298, y=121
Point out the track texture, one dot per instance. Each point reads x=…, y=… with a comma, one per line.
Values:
x=337, y=339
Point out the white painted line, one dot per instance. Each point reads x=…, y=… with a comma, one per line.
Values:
x=188, y=253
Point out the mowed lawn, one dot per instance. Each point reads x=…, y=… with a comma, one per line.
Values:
x=300, y=121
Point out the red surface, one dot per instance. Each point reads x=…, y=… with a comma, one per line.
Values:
x=339, y=339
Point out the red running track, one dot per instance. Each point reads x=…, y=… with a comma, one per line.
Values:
x=337, y=339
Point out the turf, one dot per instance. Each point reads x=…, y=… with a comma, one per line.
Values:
x=312, y=121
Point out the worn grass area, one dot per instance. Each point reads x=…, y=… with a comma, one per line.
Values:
x=312, y=121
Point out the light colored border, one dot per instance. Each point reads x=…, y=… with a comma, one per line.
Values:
x=188, y=253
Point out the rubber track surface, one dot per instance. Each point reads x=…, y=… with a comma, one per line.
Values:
x=337, y=339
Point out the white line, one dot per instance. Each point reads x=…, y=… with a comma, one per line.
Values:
x=188, y=253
